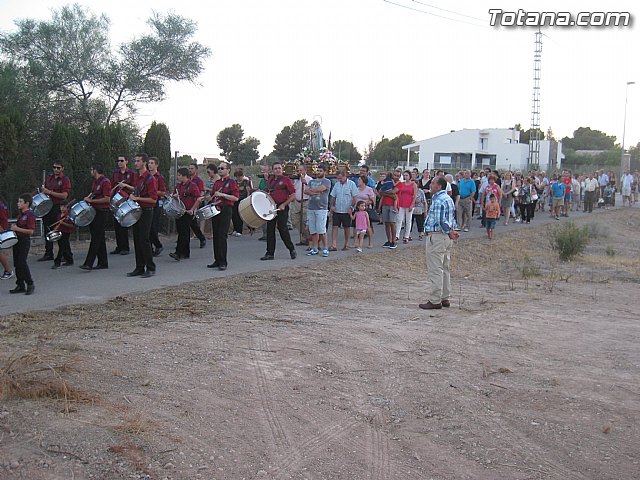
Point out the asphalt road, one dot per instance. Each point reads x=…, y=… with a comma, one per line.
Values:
x=71, y=285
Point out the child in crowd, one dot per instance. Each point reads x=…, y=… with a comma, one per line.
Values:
x=361, y=218
x=608, y=196
x=492, y=213
x=557, y=197
x=64, y=246
x=387, y=185
x=4, y=225
x=24, y=228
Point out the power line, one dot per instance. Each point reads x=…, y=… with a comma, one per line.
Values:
x=450, y=11
x=434, y=14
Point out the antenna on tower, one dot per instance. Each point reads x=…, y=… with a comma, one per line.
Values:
x=534, y=137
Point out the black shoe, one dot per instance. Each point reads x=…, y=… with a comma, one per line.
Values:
x=445, y=303
x=67, y=264
x=124, y=252
x=18, y=289
x=148, y=273
x=158, y=251
x=54, y=266
x=135, y=273
x=45, y=258
x=203, y=243
x=267, y=257
x=263, y=239
x=302, y=244
x=222, y=267
x=101, y=267
x=86, y=267
x=293, y=254
x=430, y=306
x=213, y=265
x=175, y=256
x=30, y=289
x=115, y=252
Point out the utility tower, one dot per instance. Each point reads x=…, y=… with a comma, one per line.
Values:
x=534, y=139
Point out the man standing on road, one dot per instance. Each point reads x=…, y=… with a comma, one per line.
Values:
x=57, y=185
x=318, y=192
x=283, y=193
x=342, y=196
x=99, y=199
x=440, y=237
x=466, y=188
x=627, y=182
x=590, y=189
x=156, y=244
x=299, y=206
x=123, y=174
x=195, y=226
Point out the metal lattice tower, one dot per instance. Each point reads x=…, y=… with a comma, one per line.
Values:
x=534, y=139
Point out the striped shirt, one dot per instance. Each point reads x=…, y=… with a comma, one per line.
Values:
x=440, y=216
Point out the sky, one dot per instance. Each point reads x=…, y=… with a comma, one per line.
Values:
x=373, y=68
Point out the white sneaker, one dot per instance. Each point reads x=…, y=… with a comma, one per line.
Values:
x=359, y=250
x=236, y=234
x=7, y=275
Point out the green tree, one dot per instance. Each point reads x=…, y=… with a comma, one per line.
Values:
x=586, y=139
x=70, y=60
x=157, y=143
x=248, y=151
x=346, y=151
x=290, y=141
x=390, y=153
x=229, y=140
x=185, y=160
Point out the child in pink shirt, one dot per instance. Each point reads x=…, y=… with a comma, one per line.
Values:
x=362, y=223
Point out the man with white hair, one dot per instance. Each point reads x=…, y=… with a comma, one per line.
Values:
x=627, y=181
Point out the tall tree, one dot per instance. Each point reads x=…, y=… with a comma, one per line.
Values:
x=248, y=151
x=157, y=142
x=70, y=59
x=229, y=140
x=290, y=141
x=586, y=139
x=344, y=150
x=390, y=152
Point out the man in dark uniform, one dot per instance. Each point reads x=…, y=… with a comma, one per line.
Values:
x=157, y=210
x=189, y=193
x=57, y=185
x=195, y=227
x=99, y=199
x=123, y=174
x=225, y=192
x=24, y=227
x=145, y=192
x=283, y=193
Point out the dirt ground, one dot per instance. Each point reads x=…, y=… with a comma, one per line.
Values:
x=333, y=372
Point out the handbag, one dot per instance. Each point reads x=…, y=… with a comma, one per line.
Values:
x=374, y=215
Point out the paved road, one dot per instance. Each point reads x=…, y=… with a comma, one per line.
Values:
x=70, y=285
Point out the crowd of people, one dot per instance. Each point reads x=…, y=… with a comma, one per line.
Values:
x=400, y=200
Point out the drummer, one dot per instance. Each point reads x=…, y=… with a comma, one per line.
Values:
x=57, y=186
x=122, y=174
x=24, y=228
x=4, y=226
x=188, y=193
x=99, y=199
x=156, y=245
x=225, y=193
x=65, y=227
x=281, y=189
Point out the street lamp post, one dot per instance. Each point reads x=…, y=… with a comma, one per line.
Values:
x=624, y=127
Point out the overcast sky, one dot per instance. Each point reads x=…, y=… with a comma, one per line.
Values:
x=370, y=68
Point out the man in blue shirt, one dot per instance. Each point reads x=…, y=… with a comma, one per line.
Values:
x=440, y=236
x=466, y=188
x=557, y=201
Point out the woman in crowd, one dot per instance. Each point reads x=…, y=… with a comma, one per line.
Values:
x=406, y=202
x=508, y=189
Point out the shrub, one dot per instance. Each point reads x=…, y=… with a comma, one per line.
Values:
x=597, y=230
x=528, y=269
x=569, y=240
x=610, y=251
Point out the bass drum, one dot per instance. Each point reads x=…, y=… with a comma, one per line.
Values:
x=41, y=204
x=206, y=212
x=8, y=239
x=128, y=213
x=173, y=207
x=257, y=209
x=116, y=200
x=81, y=213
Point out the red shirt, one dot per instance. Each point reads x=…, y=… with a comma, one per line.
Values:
x=567, y=185
x=188, y=192
x=26, y=220
x=100, y=188
x=280, y=188
x=4, y=217
x=225, y=185
x=146, y=187
x=58, y=184
x=198, y=181
x=66, y=226
x=405, y=194
x=126, y=177
x=162, y=184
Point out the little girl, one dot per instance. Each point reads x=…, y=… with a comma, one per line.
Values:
x=492, y=214
x=362, y=223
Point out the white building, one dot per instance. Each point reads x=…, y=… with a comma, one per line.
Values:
x=498, y=148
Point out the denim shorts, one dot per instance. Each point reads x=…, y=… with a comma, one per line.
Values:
x=317, y=221
x=490, y=223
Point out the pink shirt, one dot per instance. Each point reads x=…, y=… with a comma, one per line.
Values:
x=362, y=220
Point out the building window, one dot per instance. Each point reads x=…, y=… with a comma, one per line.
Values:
x=484, y=143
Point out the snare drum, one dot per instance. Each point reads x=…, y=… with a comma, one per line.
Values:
x=128, y=213
x=174, y=208
x=8, y=239
x=116, y=200
x=257, y=209
x=206, y=212
x=41, y=204
x=53, y=236
x=81, y=213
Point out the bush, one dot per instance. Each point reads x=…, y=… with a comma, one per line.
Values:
x=597, y=230
x=610, y=251
x=528, y=269
x=569, y=240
